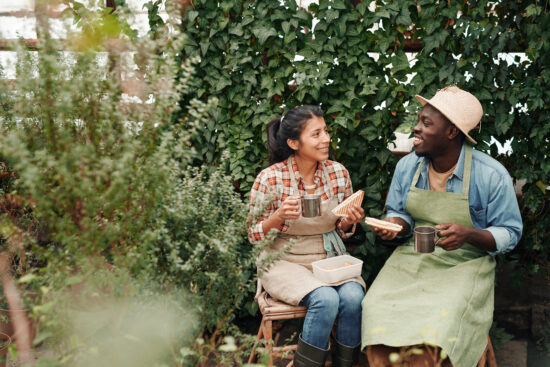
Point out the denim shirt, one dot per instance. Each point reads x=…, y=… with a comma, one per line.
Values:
x=492, y=199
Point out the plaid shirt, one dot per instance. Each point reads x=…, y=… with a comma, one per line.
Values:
x=273, y=185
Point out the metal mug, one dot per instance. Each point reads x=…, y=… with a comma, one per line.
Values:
x=311, y=205
x=424, y=239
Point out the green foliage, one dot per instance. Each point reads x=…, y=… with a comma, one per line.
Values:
x=201, y=247
x=94, y=159
x=111, y=317
x=499, y=335
x=356, y=65
x=92, y=176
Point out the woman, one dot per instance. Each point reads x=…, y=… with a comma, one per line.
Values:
x=298, y=145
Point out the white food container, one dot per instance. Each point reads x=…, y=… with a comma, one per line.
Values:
x=340, y=272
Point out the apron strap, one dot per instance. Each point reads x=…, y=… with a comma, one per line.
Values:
x=467, y=170
x=293, y=182
x=417, y=174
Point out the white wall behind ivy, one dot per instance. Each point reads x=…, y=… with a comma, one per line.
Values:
x=14, y=27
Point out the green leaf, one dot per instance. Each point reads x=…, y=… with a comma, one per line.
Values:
x=264, y=33
x=533, y=9
x=383, y=13
x=285, y=26
x=302, y=14
x=331, y=15
x=27, y=278
x=342, y=121
x=74, y=280
x=41, y=337
x=237, y=30
x=204, y=47
x=405, y=16
x=191, y=15
x=339, y=4
x=221, y=84
x=289, y=37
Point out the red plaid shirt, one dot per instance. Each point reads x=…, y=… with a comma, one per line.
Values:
x=273, y=184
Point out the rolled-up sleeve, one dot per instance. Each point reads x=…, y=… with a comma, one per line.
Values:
x=503, y=214
x=397, y=197
x=261, y=207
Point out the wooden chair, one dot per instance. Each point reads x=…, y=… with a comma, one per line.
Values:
x=273, y=309
x=488, y=358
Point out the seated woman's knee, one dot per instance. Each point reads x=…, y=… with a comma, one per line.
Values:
x=326, y=298
x=351, y=294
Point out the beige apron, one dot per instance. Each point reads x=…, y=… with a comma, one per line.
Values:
x=444, y=298
x=291, y=278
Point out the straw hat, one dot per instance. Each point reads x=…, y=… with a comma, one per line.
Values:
x=460, y=107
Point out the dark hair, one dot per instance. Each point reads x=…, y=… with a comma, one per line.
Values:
x=289, y=126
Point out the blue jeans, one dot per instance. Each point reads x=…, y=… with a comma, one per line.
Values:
x=324, y=305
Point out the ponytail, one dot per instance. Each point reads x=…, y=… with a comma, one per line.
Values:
x=289, y=126
x=276, y=142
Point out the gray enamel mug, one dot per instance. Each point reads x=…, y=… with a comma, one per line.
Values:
x=424, y=239
x=311, y=205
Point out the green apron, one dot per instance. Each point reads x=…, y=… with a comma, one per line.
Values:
x=445, y=298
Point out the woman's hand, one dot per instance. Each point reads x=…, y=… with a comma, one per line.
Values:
x=289, y=209
x=354, y=215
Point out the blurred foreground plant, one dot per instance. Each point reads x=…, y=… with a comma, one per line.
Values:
x=118, y=232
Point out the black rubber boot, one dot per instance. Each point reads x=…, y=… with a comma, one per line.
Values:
x=308, y=355
x=343, y=356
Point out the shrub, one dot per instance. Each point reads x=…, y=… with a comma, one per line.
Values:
x=119, y=222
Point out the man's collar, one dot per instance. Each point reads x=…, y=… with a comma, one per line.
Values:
x=459, y=169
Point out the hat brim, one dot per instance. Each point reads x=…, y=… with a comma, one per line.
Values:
x=441, y=109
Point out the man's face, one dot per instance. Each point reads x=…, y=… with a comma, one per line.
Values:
x=431, y=133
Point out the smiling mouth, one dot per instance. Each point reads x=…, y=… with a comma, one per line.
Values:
x=417, y=140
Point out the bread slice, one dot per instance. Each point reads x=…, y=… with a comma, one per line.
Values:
x=355, y=199
x=378, y=223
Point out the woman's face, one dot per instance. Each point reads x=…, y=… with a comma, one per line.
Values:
x=314, y=141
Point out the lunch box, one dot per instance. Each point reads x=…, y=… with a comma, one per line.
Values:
x=341, y=272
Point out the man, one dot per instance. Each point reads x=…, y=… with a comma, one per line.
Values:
x=444, y=298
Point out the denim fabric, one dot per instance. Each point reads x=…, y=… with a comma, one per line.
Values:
x=324, y=306
x=492, y=199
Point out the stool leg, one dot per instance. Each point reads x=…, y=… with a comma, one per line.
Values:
x=258, y=338
x=491, y=358
x=483, y=360
x=268, y=334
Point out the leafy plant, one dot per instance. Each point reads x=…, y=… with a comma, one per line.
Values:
x=97, y=157
x=364, y=62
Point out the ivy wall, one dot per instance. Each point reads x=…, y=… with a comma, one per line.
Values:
x=364, y=62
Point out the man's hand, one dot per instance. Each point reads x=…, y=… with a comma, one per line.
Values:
x=387, y=235
x=457, y=235
x=454, y=235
